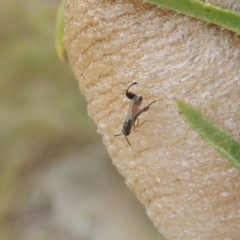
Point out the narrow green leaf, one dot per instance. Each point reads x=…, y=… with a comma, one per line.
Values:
x=222, y=17
x=226, y=145
x=61, y=52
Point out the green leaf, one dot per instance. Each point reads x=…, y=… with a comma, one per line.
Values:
x=61, y=52
x=226, y=145
x=224, y=18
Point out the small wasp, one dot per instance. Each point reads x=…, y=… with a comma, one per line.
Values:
x=134, y=112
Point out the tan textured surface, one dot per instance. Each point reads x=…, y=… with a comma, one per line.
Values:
x=189, y=190
x=233, y=5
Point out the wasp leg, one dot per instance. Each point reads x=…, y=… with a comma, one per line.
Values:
x=135, y=125
x=138, y=125
x=144, y=109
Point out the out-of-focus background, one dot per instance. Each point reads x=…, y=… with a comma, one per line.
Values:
x=56, y=179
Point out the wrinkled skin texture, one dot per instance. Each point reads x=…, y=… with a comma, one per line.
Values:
x=189, y=190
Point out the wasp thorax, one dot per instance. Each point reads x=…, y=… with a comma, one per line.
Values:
x=127, y=125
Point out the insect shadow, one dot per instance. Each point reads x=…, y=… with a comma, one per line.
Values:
x=134, y=112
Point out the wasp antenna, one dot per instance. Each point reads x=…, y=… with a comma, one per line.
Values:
x=127, y=140
x=124, y=136
x=118, y=134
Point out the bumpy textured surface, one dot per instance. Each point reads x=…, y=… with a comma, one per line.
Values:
x=233, y=5
x=188, y=189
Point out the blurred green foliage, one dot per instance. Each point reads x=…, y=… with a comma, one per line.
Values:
x=42, y=113
x=61, y=51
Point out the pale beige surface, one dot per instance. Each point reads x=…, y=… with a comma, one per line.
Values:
x=233, y=5
x=188, y=189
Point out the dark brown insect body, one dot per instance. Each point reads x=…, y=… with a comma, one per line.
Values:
x=134, y=112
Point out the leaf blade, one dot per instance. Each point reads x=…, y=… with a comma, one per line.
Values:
x=207, y=12
x=221, y=141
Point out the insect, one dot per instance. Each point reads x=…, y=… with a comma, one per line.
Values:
x=134, y=112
